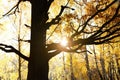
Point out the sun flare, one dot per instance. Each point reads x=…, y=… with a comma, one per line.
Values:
x=64, y=42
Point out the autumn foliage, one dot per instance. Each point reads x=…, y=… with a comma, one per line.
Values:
x=90, y=28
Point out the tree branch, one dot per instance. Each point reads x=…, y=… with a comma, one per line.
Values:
x=96, y=13
x=57, y=19
x=9, y=49
x=15, y=8
x=52, y=54
x=107, y=22
x=24, y=40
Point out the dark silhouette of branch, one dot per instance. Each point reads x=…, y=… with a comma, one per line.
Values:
x=109, y=31
x=96, y=13
x=52, y=54
x=27, y=26
x=72, y=26
x=96, y=36
x=9, y=49
x=57, y=19
x=54, y=46
x=52, y=33
x=15, y=8
x=106, y=40
x=25, y=40
x=110, y=20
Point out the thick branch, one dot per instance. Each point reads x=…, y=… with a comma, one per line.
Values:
x=57, y=19
x=9, y=49
x=56, y=46
x=52, y=54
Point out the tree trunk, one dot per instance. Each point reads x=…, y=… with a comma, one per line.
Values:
x=102, y=63
x=19, y=48
x=38, y=63
x=87, y=65
x=96, y=63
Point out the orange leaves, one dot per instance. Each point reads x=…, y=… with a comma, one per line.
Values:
x=90, y=8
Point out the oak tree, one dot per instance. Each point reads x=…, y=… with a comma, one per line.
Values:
x=97, y=24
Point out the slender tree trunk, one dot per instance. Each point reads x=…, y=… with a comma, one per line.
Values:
x=111, y=65
x=96, y=63
x=19, y=69
x=19, y=64
x=117, y=65
x=87, y=65
x=71, y=68
x=38, y=63
x=64, y=67
x=19, y=48
x=102, y=62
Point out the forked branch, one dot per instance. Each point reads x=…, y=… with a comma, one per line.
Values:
x=91, y=17
x=57, y=19
x=15, y=8
x=9, y=49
